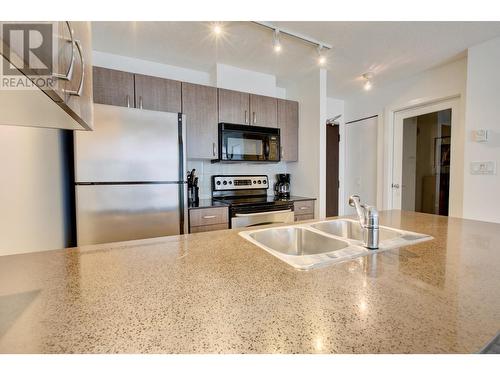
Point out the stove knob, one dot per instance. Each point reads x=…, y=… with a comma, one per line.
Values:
x=230, y=182
x=254, y=182
x=218, y=182
x=225, y=182
x=259, y=182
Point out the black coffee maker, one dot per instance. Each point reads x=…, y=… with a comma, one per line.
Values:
x=282, y=186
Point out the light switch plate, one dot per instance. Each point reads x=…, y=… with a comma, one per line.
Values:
x=480, y=135
x=483, y=167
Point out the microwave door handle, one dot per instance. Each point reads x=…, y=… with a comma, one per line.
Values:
x=266, y=149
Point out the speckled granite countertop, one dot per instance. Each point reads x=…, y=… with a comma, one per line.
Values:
x=216, y=293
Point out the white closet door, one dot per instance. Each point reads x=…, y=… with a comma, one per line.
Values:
x=361, y=161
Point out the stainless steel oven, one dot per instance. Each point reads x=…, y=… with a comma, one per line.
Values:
x=246, y=220
x=249, y=204
x=248, y=143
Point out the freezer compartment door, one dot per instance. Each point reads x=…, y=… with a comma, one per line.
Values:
x=110, y=213
x=128, y=144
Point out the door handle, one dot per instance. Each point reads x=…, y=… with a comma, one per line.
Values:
x=140, y=102
x=254, y=118
x=78, y=92
x=246, y=117
x=69, y=72
x=213, y=149
x=263, y=213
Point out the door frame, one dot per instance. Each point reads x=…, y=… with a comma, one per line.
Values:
x=397, y=115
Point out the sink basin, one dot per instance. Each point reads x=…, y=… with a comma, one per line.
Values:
x=311, y=245
x=352, y=230
x=302, y=247
x=297, y=241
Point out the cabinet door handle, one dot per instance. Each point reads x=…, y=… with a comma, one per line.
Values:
x=213, y=149
x=282, y=151
x=140, y=102
x=69, y=72
x=209, y=217
x=254, y=118
x=128, y=101
x=78, y=92
x=303, y=208
x=246, y=117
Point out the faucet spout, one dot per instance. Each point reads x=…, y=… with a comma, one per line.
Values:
x=368, y=220
x=355, y=201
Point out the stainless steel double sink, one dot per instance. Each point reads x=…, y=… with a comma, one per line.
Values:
x=310, y=245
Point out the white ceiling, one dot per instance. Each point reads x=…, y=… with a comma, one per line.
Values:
x=391, y=50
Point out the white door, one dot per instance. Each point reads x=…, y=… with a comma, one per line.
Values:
x=400, y=175
x=361, y=161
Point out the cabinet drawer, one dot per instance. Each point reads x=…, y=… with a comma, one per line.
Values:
x=304, y=217
x=303, y=207
x=208, y=228
x=208, y=216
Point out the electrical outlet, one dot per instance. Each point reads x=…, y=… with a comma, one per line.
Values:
x=483, y=167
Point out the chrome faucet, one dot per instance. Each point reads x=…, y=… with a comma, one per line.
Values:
x=368, y=219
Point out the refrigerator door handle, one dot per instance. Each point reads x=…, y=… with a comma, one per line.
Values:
x=183, y=186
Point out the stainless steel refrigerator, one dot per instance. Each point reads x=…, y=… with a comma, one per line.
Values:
x=129, y=176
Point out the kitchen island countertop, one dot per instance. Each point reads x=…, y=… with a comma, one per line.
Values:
x=215, y=292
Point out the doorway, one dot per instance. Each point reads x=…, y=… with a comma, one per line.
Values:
x=422, y=160
x=332, y=169
x=426, y=163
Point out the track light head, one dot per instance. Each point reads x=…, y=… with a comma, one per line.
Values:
x=217, y=29
x=276, y=41
x=321, y=55
x=368, y=81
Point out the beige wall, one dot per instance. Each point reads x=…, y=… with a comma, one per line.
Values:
x=33, y=212
x=481, y=192
x=308, y=173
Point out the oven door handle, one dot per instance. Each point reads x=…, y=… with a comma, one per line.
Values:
x=266, y=223
x=262, y=213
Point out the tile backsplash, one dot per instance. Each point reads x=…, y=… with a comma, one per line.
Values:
x=205, y=170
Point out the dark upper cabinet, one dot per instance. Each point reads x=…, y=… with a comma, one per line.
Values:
x=113, y=87
x=157, y=94
x=263, y=111
x=249, y=109
x=288, y=123
x=234, y=107
x=199, y=104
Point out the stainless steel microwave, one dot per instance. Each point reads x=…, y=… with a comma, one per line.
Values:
x=240, y=143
